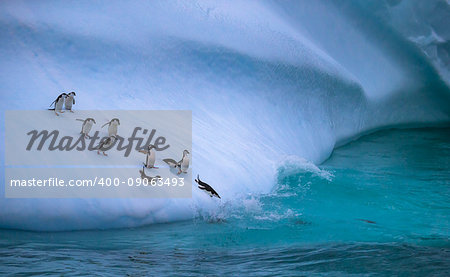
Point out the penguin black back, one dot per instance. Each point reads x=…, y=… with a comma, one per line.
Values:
x=207, y=188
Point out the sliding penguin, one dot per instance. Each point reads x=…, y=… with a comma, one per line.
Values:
x=87, y=126
x=106, y=144
x=70, y=100
x=59, y=102
x=151, y=156
x=182, y=165
x=113, y=124
x=146, y=177
x=206, y=188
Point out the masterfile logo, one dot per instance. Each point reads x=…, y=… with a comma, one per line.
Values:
x=98, y=154
x=68, y=143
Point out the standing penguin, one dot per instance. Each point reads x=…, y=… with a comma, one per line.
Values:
x=106, y=144
x=87, y=126
x=113, y=124
x=182, y=165
x=70, y=99
x=59, y=102
x=151, y=156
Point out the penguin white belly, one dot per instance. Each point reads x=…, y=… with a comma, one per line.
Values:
x=185, y=164
x=150, y=161
x=68, y=103
x=87, y=128
x=112, y=129
x=59, y=105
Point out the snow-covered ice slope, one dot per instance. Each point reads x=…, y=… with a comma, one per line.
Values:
x=264, y=80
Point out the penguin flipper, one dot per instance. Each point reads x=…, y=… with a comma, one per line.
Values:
x=171, y=162
x=105, y=124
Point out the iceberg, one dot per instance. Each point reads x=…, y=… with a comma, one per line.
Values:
x=265, y=80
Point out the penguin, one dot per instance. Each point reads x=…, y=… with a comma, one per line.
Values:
x=146, y=177
x=87, y=125
x=151, y=156
x=70, y=99
x=106, y=144
x=112, y=129
x=59, y=102
x=206, y=188
x=182, y=165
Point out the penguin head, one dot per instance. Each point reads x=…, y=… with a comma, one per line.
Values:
x=72, y=93
x=185, y=152
x=150, y=147
x=115, y=119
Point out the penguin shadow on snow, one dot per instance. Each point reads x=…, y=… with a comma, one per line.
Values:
x=147, y=177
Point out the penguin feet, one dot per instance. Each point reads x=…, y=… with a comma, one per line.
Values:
x=56, y=113
x=71, y=111
x=104, y=154
x=98, y=152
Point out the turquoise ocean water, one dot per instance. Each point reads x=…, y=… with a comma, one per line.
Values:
x=379, y=206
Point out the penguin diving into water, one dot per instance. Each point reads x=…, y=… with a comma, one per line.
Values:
x=106, y=144
x=59, y=102
x=206, y=188
x=70, y=100
x=146, y=177
x=87, y=126
x=113, y=124
x=182, y=165
x=151, y=156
